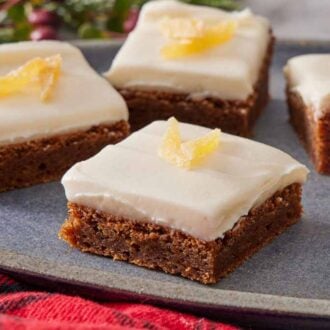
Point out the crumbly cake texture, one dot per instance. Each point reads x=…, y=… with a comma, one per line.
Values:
x=313, y=132
x=162, y=248
x=232, y=116
x=46, y=159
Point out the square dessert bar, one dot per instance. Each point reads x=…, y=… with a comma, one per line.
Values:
x=308, y=96
x=201, y=65
x=135, y=202
x=55, y=110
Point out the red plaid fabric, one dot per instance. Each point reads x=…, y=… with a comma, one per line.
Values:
x=21, y=309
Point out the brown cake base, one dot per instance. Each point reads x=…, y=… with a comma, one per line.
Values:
x=235, y=117
x=47, y=159
x=314, y=134
x=158, y=247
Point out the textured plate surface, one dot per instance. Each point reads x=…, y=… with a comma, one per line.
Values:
x=288, y=278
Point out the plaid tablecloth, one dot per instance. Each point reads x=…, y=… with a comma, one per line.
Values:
x=24, y=309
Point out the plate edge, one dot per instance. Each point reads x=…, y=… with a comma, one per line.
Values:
x=243, y=301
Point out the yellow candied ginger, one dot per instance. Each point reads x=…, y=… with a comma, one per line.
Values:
x=191, y=36
x=187, y=154
x=42, y=72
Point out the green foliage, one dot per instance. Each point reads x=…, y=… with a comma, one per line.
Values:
x=16, y=13
x=119, y=14
x=88, y=31
x=88, y=19
x=224, y=4
x=6, y=34
x=15, y=26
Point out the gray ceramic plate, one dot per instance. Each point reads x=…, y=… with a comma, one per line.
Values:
x=286, y=284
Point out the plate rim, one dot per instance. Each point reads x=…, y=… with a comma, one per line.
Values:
x=18, y=263
x=239, y=301
x=92, y=43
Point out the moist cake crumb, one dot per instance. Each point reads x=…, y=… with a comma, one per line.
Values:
x=174, y=252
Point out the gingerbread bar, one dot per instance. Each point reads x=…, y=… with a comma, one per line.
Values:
x=201, y=65
x=55, y=110
x=182, y=199
x=308, y=96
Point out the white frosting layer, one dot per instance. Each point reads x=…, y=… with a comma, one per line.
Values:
x=80, y=99
x=130, y=179
x=228, y=71
x=309, y=75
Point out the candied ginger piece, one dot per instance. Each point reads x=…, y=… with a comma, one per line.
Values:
x=16, y=80
x=189, y=37
x=43, y=72
x=197, y=150
x=187, y=154
x=170, y=148
x=182, y=28
x=49, y=76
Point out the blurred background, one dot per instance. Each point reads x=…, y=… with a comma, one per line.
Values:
x=113, y=19
x=295, y=19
